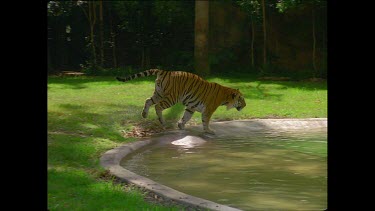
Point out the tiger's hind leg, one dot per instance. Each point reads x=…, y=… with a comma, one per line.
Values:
x=149, y=102
x=187, y=116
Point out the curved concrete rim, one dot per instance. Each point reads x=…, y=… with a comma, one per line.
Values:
x=111, y=159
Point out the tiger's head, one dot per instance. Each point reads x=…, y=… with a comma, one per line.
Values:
x=235, y=99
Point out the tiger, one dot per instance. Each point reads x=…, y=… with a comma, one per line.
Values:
x=192, y=91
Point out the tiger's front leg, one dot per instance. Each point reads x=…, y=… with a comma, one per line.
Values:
x=148, y=103
x=206, y=116
x=187, y=116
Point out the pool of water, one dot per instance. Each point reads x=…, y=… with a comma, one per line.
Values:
x=264, y=170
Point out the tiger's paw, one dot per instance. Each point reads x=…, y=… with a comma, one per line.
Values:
x=144, y=114
x=209, y=131
x=181, y=126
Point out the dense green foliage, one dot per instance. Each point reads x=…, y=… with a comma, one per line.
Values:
x=149, y=34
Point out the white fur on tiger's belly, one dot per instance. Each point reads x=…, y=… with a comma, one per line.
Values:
x=189, y=141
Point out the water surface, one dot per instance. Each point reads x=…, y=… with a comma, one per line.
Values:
x=264, y=170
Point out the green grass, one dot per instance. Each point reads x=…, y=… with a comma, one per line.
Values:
x=89, y=115
x=77, y=190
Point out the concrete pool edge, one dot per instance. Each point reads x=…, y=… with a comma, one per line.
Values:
x=111, y=159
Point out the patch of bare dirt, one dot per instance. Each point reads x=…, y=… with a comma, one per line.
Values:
x=149, y=128
x=142, y=129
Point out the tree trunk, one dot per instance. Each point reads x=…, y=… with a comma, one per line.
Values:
x=59, y=45
x=101, y=29
x=49, y=66
x=114, y=51
x=49, y=42
x=92, y=20
x=113, y=40
x=62, y=48
x=147, y=59
x=264, y=34
x=202, y=65
x=143, y=58
x=252, y=41
x=324, y=57
x=93, y=51
x=314, y=42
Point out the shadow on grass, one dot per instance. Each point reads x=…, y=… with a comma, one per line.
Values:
x=75, y=119
x=76, y=137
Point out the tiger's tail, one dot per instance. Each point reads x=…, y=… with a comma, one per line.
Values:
x=139, y=75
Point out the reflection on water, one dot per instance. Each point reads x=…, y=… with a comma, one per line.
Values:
x=264, y=171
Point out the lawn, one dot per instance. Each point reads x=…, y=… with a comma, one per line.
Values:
x=89, y=115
